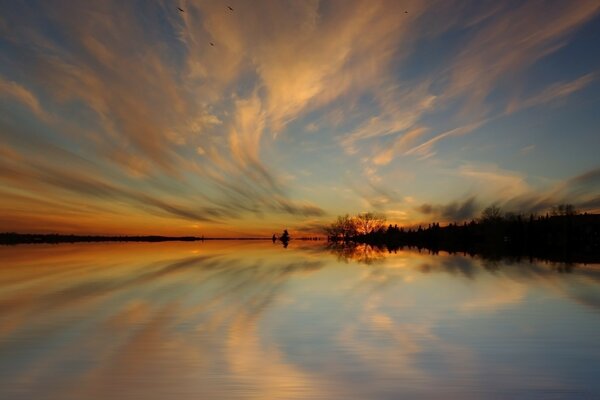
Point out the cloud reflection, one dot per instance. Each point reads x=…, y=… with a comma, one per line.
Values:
x=251, y=320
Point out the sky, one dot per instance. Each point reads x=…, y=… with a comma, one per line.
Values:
x=133, y=117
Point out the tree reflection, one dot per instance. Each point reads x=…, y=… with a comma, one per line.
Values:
x=372, y=254
x=358, y=252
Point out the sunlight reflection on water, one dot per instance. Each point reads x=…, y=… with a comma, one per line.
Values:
x=253, y=320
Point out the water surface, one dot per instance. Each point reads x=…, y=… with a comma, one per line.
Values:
x=251, y=320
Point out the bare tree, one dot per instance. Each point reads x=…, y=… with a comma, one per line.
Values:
x=343, y=228
x=369, y=222
x=491, y=214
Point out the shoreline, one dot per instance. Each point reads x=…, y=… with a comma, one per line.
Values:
x=10, y=238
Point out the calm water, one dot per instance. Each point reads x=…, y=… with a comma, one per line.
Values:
x=252, y=320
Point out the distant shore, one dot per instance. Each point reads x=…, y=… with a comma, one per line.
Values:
x=52, y=238
x=10, y=238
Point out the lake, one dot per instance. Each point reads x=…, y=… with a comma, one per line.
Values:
x=252, y=320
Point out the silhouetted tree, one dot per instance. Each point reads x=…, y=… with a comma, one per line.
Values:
x=564, y=209
x=491, y=214
x=567, y=236
x=369, y=222
x=343, y=228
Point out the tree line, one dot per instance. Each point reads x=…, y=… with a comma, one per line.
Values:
x=561, y=234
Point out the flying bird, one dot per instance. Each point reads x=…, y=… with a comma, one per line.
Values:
x=405, y=12
x=180, y=9
x=230, y=8
x=211, y=43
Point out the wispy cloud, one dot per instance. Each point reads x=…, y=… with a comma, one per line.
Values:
x=18, y=93
x=401, y=109
x=453, y=211
x=146, y=112
x=511, y=40
x=512, y=194
x=553, y=92
x=424, y=149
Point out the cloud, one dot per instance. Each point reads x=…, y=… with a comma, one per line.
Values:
x=247, y=130
x=400, y=110
x=583, y=191
x=374, y=194
x=506, y=41
x=400, y=145
x=424, y=149
x=527, y=149
x=142, y=110
x=338, y=43
x=494, y=182
x=90, y=187
x=553, y=92
x=510, y=41
x=311, y=227
x=346, y=47
x=24, y=96
x=454, y=211
x=591, y=176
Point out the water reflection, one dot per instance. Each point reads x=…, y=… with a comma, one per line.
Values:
x=254, y=320
x=359, y=252
x=369, y=254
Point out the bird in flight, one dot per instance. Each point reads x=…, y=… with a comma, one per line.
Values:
x=230, y=8
x=180, y=9
x=405, y=12
x=211, y=43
